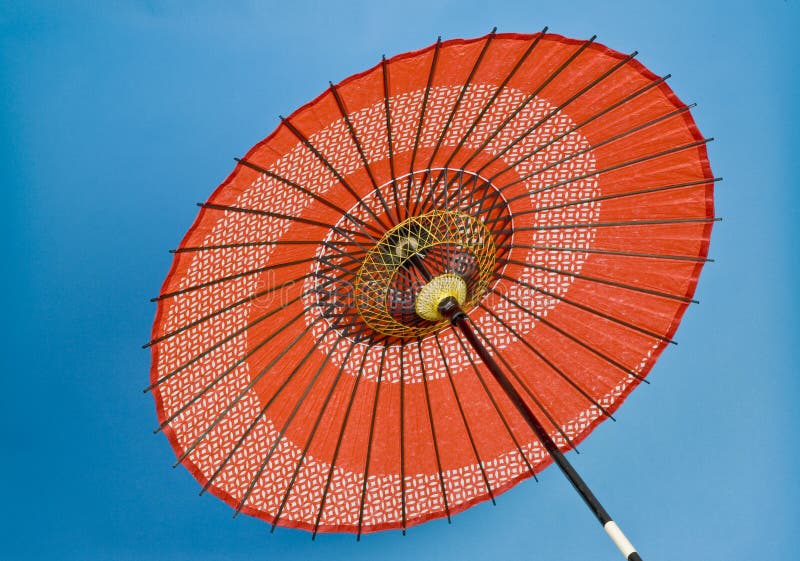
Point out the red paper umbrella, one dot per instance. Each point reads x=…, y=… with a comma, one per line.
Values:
x=431, y=280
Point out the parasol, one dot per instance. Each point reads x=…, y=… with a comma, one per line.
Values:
x=430, y=282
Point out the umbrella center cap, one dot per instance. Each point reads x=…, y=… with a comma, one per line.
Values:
x=438, y=289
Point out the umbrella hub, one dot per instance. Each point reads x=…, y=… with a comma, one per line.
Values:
x=419, y=263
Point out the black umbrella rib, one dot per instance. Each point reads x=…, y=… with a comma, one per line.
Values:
x=419, y=128
x=600, y=198
x=364, y=226
x=468, y=202
x=325, y=260
x=555, y=111
x=252, y=425
x=190, y=249
x=598, y=280
x=472, y=444
x=591, y=310
x=247, y=388
x=288, y=421
x=433, y=430
x=388, y=112
x=402, y=440
x=601, y=113
x=258, y=417
x=339, y=230
x=545, y=119
x=457, y=103
x=585, y=122
x=359, y=148
x=221, y=342
x=237, y=276
x=530, y=98
x=208, y=387
x=615, y=224
x=524, y=386
x=689, y=258
x=598, y=172
x=421, y=203
x=566, y=377
x=495, y=404
x=340, y=438
x=613, y=362
x=227, y=308
x=443, y=195
x=368, y=459
x=308, y=144
x=310, y=439
x=592, y=147
x=495, y=95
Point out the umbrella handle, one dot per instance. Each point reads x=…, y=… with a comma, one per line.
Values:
x=450, y=309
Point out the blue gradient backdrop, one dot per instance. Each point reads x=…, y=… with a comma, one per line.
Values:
x=115, y=120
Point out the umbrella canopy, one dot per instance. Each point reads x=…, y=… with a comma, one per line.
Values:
x=303, y=367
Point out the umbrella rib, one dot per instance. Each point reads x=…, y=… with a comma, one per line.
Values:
x=240, y=275
x=467, y=83
x=496, y=94
x=362, y=502
x=224, y=340
x=224, y=413
x=421, y=201
x=361, y=153
x=557, y=110
x=325, y=260
x=356, y=221
x=258, y=417
x=288, y=421
x=339, y=230
x=253, y=424
x=433, y=429
x=189, y=249
x=615, y=224
x=310, y=438
x=388, y=112
x=616, y=364
x=495, y=404
x=597, y=280
x=208, y=387
x=345, y=420
x=223, y=310
x=308, y=144
x=530, y=97
x=464, y=418
x=689, y=258
x=601, y=113
x=419, y=127
x=598, y=172
x=524, y=386
x=488, y=191
x=591, y=310
x=587, y=200
x=566, y=377
x=597, y=115
x=457, y=103
x=591, y=147
x=402, y=439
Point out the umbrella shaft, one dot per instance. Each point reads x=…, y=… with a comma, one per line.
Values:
x=453, y=312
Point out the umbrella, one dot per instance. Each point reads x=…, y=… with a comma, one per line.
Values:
x=430, y=282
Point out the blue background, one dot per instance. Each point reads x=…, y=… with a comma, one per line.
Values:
x=116, y=120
